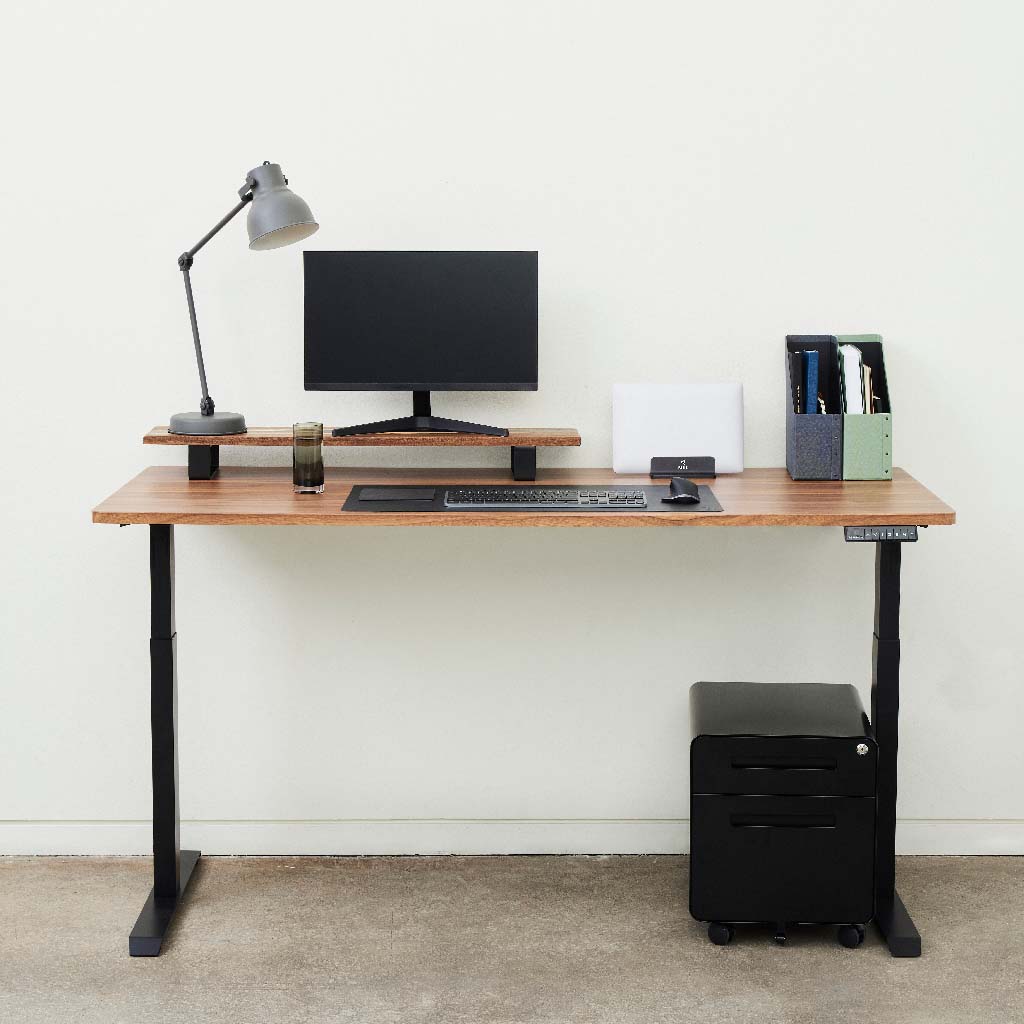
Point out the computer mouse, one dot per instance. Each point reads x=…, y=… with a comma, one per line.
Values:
x=682, y=492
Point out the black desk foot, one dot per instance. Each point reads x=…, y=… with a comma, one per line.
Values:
x=898, y=930
x=148, y=934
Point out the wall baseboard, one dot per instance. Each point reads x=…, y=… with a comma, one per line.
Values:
x=457, y=836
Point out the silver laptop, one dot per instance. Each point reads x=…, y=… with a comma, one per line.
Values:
x=681, y=419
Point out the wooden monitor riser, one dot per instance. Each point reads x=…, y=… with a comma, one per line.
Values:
x=522, y=442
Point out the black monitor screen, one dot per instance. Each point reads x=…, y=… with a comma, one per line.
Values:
x=421, y=321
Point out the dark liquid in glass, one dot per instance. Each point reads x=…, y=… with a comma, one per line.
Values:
x=307, y=458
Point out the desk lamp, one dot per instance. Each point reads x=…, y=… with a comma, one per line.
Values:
x=277, y=216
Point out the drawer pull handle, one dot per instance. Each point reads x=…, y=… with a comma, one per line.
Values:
x=785, y=764
x=782, y=820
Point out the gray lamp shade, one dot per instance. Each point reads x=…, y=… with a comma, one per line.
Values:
x=277, y=216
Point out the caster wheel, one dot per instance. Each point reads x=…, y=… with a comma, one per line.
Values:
x=720, y=934
x=850, y=935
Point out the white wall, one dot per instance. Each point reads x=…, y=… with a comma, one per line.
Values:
x=700, y=179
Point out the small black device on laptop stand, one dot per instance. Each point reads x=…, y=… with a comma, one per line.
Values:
x=420, y=322
x=683, y=465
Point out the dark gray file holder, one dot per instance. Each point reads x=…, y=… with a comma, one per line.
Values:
x=814, y=442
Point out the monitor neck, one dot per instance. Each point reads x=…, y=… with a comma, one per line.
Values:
x=421, y=403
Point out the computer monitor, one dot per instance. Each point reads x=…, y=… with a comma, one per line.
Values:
x=420, y=322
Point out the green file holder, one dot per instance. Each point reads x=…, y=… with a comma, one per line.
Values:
x=867, y=437
x=838, y=445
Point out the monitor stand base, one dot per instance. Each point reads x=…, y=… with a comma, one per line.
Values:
x=420, y=420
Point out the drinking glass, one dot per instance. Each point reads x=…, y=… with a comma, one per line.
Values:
x=308, y=458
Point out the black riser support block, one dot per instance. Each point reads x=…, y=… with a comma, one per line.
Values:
x=203, y=461
x=524, y=462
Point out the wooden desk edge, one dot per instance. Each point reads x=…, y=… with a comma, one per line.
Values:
x=128, y=508
x=512, y=519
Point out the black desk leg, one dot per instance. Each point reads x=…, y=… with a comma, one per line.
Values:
x=172, y=867
x=890, y=915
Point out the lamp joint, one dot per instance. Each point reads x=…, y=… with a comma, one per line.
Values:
x=206, y=406
x=185, y=261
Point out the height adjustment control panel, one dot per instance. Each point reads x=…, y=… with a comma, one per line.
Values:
x=872, y=534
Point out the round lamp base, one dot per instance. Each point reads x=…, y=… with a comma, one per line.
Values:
x=196, y=423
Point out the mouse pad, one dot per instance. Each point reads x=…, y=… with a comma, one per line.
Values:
x=409, y=498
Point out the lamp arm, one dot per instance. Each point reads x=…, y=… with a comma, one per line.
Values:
x=185, y=260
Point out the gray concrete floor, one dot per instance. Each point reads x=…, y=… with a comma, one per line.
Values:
x=486, y=939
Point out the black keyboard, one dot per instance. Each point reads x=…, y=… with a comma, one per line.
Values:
x=602, y=499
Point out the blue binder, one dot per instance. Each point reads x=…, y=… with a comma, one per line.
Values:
x=810, y=395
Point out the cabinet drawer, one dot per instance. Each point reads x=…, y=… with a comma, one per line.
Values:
x=770, y=858
x=783, y=765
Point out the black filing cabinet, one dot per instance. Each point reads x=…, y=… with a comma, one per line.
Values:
x=782, y=807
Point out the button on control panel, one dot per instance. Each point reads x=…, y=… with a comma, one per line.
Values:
x=876, y=533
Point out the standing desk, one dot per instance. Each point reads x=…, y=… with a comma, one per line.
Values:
x=163, y=497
